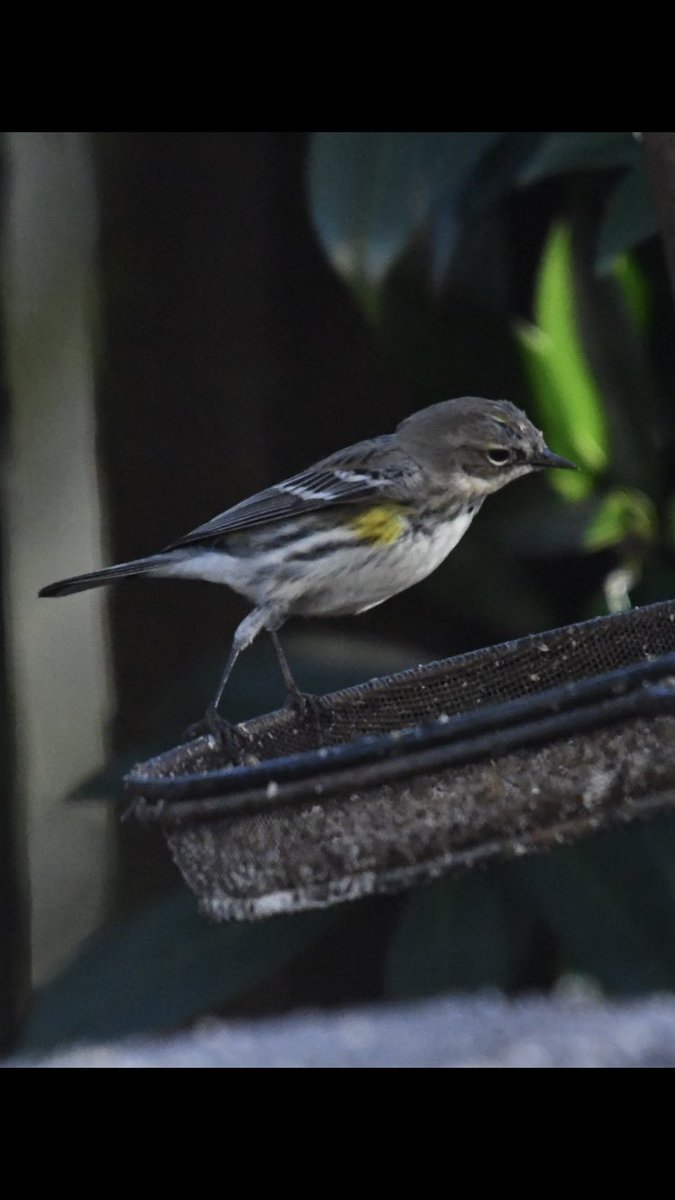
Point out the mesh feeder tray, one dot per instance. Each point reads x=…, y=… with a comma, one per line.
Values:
x=500, y=752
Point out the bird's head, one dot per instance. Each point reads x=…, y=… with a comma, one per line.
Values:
x=476, y=446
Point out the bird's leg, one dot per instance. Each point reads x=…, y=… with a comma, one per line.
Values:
x=303, y=702
x=294, y=693
x=212, y=721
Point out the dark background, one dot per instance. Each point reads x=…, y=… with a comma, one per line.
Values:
x=234, y=348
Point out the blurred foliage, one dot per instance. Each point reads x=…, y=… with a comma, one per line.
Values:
x=184, y=966
x=373, y=193
x=517, y=264
x=568, y=397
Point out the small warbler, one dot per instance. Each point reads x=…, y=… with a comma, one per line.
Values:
x=356, y=528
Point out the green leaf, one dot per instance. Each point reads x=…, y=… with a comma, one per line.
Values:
x=630, y=218
x=563, y=152
x=455, y=935
x=568, y=398
x=582, y=418
x=541, y=363
x=164, y=966
x=624, y=513
x=370, y=192
x=634, y=288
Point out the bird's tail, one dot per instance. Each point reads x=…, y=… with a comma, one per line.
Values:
x=79, y=583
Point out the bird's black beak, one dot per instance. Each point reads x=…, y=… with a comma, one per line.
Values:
x=546, y=458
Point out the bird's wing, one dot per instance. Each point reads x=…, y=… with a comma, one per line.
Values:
x=342, y=479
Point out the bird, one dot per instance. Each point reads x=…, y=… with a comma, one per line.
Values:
x=358, y=527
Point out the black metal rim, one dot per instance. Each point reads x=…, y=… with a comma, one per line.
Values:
x=644, y=689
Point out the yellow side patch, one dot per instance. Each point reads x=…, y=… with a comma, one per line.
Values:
x=383, y=524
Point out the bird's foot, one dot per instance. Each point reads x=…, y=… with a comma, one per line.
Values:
x=231, y=741
x=308, y=708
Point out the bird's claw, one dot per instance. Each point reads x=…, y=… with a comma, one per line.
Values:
x=307, y=706
x=220, y=729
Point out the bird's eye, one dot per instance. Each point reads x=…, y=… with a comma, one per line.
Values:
x=498, y=457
